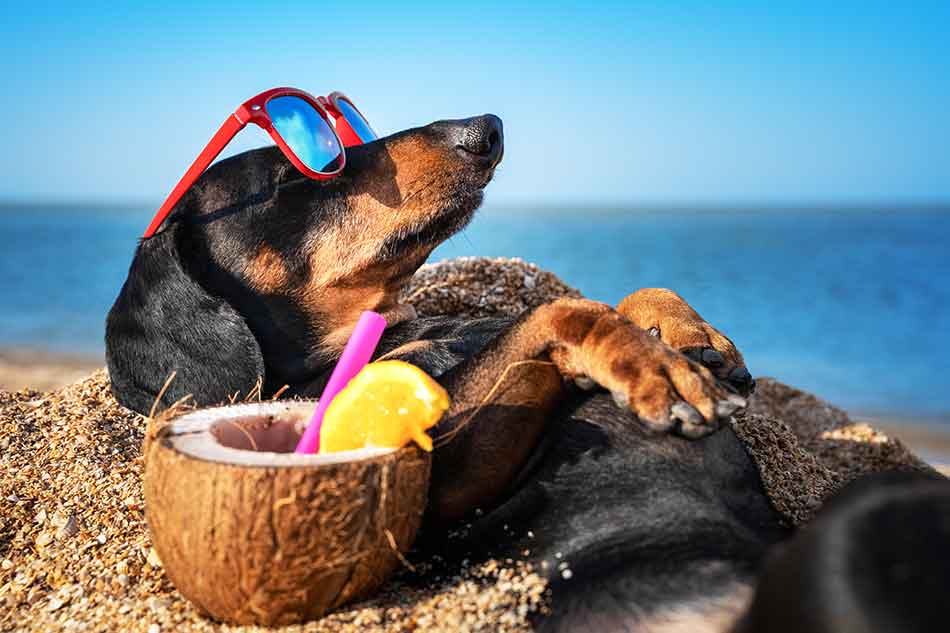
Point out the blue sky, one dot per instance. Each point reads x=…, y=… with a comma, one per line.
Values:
x=669, y=102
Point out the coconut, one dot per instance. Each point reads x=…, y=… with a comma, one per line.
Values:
x=253, y=533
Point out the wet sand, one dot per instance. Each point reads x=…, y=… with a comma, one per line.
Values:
x=24, y=368
x=928, y=437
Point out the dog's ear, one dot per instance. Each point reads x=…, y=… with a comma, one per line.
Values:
x=164, y=321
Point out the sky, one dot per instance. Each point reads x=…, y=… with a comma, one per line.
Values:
x=603, y=102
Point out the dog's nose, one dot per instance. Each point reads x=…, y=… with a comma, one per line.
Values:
x=481, y=137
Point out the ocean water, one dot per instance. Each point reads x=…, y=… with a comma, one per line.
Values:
x=853, y=304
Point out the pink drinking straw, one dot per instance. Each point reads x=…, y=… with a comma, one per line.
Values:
x=359, y=349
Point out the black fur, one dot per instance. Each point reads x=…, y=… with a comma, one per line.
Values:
x=640, y=522
x=162, y=308
x=876, y=560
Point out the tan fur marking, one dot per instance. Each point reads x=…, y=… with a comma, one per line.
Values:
x=334, y=308
x=679, y=324
x=340, y=308
x=406, y=191
x=409, y=348
x=346, y=277
x=647, y=306
x=267, y=271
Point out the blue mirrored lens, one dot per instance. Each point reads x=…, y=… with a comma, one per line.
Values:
x=356, y=121
x=307, y=134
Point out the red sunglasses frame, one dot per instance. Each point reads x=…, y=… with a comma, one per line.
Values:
x=254, y=111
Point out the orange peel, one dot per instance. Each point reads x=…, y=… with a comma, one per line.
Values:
x=388, y=404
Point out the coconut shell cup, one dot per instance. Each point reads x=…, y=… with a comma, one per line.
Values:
x=253, y=533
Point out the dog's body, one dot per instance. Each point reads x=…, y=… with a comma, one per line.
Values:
x=633, y=530
x=262, y=273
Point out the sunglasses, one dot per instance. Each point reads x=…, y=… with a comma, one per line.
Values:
x=312, y=132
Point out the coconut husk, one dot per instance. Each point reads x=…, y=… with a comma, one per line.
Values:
x=254, y=533
x=75, y=552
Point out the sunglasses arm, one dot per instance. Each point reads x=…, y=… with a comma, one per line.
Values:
x=222, y=137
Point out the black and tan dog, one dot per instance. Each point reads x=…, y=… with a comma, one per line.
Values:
x=643, y=515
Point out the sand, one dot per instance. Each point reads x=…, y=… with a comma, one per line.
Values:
x=42, y=370
x=74, y=547
x=75, y=551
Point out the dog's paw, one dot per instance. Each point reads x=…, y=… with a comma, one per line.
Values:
x=665, y=389
x=667, y=316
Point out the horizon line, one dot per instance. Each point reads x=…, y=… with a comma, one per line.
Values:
x=633, y=204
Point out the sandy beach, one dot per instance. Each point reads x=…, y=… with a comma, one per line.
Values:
x=79, y=551
x=24, y=368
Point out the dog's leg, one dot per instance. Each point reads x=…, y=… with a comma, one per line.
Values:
x=502, y=396
x=667, y=316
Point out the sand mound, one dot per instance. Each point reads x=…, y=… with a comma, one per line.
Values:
x=806, y=449
x=75, y=551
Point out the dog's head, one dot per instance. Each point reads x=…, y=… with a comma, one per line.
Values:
x=297, y=260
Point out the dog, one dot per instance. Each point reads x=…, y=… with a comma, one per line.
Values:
x=877, y=558
x=597, y=429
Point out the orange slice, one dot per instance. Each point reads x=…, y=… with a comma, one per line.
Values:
x=388, y=404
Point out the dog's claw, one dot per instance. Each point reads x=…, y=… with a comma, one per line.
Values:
x=584, y=382
x=659, y=426
x=696, y=431
x=686, y=414
x=732, y=403
x=621, y=398
x=725, y=409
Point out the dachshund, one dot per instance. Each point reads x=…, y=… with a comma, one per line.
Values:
x=597, y=429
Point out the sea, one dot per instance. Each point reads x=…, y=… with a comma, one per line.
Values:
x=852, y=304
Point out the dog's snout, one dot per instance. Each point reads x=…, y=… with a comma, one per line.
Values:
x=481, y=137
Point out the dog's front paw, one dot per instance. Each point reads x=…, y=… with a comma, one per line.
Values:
x=667, y=316
x=665, y=389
